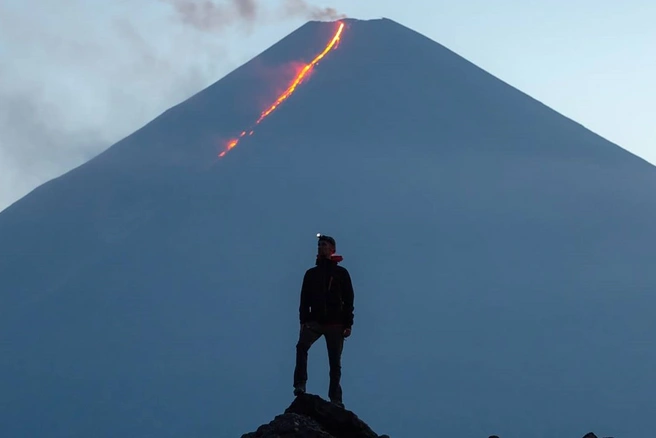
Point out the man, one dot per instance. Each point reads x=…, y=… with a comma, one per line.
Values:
x=326, y=309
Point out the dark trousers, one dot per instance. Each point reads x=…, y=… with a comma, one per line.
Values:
x=334, y=335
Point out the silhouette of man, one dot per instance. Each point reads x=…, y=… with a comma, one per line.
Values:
x=326, y=309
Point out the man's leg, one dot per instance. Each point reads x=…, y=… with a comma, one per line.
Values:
x=306, y=338
x=335, y=344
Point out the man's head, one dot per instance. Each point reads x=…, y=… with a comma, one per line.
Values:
x=326, y=246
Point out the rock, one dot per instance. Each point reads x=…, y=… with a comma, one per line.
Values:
x=289, y=425
x=310, y=416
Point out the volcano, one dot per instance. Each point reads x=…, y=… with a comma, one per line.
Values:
x=501, y=256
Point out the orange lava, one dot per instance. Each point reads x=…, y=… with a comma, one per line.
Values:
x=290, y=90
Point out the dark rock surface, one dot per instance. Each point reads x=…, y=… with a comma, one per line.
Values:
x=310, y=416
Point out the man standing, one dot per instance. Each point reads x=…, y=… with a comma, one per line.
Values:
x=326, y=309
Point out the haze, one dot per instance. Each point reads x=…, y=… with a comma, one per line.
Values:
x=77, y=76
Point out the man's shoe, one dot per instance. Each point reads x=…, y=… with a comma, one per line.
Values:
x=299, y=389
x=337, y=403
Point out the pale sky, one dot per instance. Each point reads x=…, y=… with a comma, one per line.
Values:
x=79, y=76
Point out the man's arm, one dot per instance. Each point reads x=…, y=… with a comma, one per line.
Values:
x=348, y=298
x=304, y=307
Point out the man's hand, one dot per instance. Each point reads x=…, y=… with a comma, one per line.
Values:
x=347, y=332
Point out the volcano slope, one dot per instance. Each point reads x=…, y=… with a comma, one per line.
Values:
x=501, y=256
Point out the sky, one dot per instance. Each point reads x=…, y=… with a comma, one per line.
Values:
x=77, y=77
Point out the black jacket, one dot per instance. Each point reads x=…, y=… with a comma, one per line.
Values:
x=327, y=294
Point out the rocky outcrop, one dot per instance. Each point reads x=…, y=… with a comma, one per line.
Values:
x=310, y=416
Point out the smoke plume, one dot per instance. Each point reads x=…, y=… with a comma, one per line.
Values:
x=301, y=8
x=216, y=16
x=208, y=15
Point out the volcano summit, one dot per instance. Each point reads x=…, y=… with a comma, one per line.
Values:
x=502, y=257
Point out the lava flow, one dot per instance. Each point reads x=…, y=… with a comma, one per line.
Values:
x=288, y=92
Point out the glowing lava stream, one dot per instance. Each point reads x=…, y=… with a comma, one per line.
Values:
x=288, y=92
